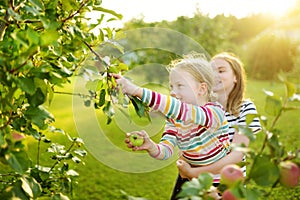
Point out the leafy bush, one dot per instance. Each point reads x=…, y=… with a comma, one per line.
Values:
x=42, y=45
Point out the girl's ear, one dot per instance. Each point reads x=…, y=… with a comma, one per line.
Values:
x=234, y=79
x=203, y=89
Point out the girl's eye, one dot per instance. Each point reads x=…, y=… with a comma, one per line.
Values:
x=221, y=70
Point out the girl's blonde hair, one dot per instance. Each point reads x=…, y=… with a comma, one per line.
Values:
x=236, y=96
x=198, y=66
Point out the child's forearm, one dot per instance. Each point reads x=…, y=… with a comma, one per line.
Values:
x=153, y=150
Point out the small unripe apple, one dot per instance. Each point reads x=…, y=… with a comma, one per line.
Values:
x=289, y=174
x=228, y=195
x=136, y=140
x=231, y=174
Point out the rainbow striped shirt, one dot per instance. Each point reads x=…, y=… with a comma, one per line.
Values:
x=200, y=132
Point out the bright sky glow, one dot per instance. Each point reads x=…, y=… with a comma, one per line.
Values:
x=158, y=10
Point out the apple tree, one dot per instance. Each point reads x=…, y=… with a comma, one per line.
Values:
x=43, y=44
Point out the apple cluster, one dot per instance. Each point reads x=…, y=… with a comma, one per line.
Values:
x=232, y=174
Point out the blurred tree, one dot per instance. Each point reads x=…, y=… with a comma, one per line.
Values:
x=269, y=55
x=248, y=27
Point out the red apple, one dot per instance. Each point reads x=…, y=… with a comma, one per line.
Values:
x=228, y=195
x=230, y=174
x=289, y=174
x=17, y=136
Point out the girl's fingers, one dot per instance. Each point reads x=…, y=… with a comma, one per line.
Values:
x=115, y=75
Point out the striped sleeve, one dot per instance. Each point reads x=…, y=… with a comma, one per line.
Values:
x=175, y=109
x=167, y=143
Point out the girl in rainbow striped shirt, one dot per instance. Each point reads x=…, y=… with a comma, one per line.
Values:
x=194, y=122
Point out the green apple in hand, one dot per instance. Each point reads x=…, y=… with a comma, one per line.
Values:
x=136, y=139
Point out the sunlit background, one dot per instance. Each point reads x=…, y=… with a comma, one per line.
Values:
x=158, y=10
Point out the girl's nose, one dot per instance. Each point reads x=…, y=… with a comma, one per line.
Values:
x=173, y=93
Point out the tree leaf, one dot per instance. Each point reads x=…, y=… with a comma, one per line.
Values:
x=80, y=152
x=119, y=16
x=19, y=161
x=39, y=116
x=48, y=37
x=102, y=98
x=290, y=88
x=38, y=4
x=59, y=196
x=276, y=148
x=122, y=67
x=263, y=171
x=138, y=106
x=72, y=172
x=87, y=102
x=205, y=180
x=14, y=192
x=190, y=188
x=31, y=187
x=37, y=98
x=26, y=84
x=273, y=105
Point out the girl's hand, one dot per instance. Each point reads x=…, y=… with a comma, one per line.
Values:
x=127, y=86
x=148, y=144
x=184, y=168
x=143, y=140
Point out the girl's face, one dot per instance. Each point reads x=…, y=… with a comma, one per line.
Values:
x=224, y=76
x=184, y=87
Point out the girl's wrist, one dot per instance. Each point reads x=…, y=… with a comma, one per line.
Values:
x=153, y=150
x=138, y=92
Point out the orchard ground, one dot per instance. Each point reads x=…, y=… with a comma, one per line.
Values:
x=100, y=182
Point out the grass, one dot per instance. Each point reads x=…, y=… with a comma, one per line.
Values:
x=100, y=180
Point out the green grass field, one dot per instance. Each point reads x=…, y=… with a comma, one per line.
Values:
x=99, y=181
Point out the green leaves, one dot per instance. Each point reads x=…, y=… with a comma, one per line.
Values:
x=39, y=116
x=26, y=84
x=140, y=108
x=197, y=187
x=263, y=171
x=31, y=187
x=42, y=45
x=273, y=104
x=18, y=161
x=38, y=3
x=119, y=16
x=48, y=37
x=101, y=98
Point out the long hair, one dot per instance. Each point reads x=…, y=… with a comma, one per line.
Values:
x=236, y=96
